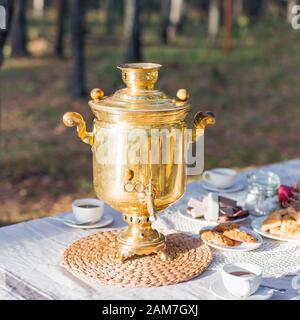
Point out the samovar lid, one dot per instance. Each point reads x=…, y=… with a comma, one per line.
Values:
x=139, y=95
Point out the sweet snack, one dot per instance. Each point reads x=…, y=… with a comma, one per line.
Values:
x=215, y=208
x=275, y=231
x=225, y=227
x=272, y=221
x=217, y=238
x=292, y=212
x=283, y=223
x=239, y=235
x=228, y=235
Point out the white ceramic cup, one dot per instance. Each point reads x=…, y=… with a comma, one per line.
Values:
x=241, y=286
x=87, y=215
x=220, y=177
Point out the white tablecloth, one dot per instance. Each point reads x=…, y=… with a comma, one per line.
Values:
x=31, y=254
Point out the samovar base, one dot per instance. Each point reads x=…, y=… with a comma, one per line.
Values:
x=127, y=248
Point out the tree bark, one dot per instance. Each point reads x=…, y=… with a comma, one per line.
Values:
x=132, y=28
x=228, y=25
x=213, y=18
x=38, y=8
x=61, y=12
x=175, y=17
x=290, y=5
x=108, y=8
x=7, y=15
x=77, y=20
x=19, y=29
x=165, y=9
x=237, y=8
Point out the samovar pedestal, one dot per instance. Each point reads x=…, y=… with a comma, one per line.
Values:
x=140, y=239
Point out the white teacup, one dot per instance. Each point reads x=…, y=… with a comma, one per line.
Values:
x=241, y=279
x=88, y=210
x=220, y=177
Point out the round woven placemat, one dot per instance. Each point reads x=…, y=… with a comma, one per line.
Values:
x=94, y=258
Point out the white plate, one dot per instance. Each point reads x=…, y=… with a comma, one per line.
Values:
x=218, y=289
x=256, y=225
x=70, y=221
x=238, y=186
x=243, y=247
x=182, y=211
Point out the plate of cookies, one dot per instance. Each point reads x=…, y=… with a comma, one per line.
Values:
x=283, y=225
x=231, y=237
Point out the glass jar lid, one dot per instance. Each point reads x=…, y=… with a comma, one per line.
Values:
x=264, y=181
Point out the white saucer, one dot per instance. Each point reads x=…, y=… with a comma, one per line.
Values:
x=218, y=289
x=183, y=212
x=70, y=221
x=256, y=225
x=238, y=186
x=243, y=247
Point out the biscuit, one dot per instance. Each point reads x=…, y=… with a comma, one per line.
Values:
x=239, y=235
x=288, y=226
x=294, y=214
x=223, y=227
x=275, y=231
x=217, y=238
x=272, y=221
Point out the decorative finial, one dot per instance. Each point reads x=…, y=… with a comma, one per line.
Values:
x=182, y=94
x=97, y=94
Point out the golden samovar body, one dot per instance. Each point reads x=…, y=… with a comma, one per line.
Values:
x=139, y=153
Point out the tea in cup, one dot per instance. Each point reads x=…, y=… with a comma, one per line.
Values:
x=87, y=210
x=241, y=279
x=221, y=178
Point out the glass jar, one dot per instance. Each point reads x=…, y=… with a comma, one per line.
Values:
x=262, y=194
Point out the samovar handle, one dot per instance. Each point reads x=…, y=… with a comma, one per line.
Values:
x=201, y=119
x=72, y=119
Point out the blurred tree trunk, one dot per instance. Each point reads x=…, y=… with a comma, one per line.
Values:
x=108, y=9
x=213, y=18
x=8, y=5
x=237, y=8
x=132, y=30
x=19, y=29
x=61, y=11
x=77, y=20
x=290, y=5
x=165, y=9
x=175, y=18
x=38, y=8
x=228, y=25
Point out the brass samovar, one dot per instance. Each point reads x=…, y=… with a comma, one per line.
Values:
x=138, y=145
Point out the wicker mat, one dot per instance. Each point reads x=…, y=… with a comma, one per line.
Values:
x=93, y=258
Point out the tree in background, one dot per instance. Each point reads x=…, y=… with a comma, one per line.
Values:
x=213, y=18
x=165, y=10
x=175, y=18
x=171, y=19
x=8, y=5
x=18, y=32
x=61, y=12
x=228, y=11
x=132, y=30
x=38, y=8
x=108, y=7
x=237, y=8
x=77, y=28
